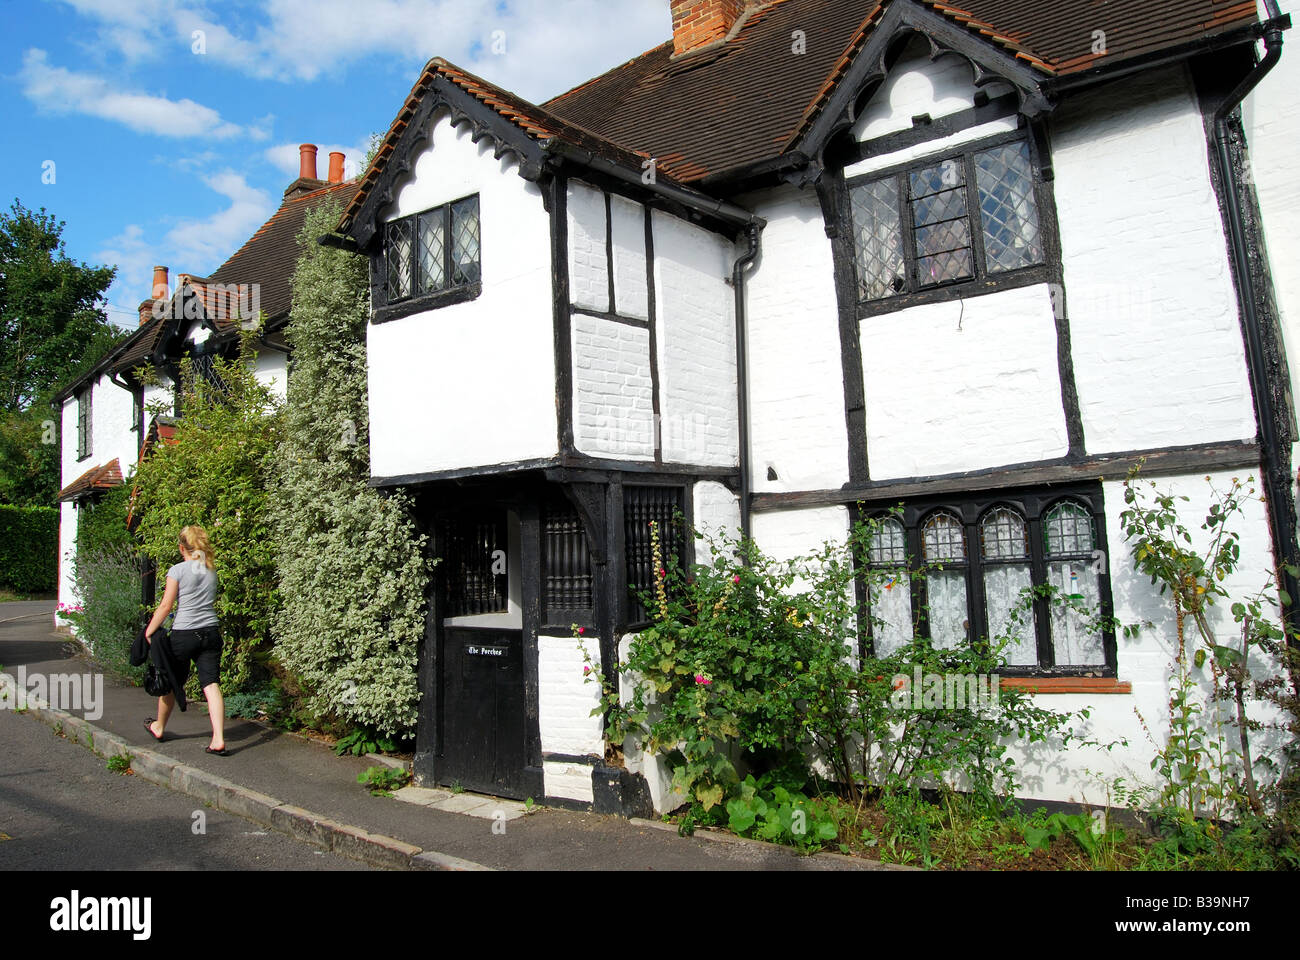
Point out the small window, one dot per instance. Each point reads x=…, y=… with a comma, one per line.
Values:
x=83, y=423
x=889, y=593
x=566, y=566
x=943, y=542
x=643, y=506
x=1073, y=570
x=1004, y=544
x=433, y=252
x=968, y=217
x=473, y=554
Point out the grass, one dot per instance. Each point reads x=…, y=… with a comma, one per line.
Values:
x=119, y=763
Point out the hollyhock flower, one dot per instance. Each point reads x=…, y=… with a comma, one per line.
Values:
x=586, y=670
x=736, y=579
x=701, y=680
x=581, y=631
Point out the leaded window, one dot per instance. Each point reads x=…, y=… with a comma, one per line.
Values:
x=972, y=569
x=947, y=220
x=83, y=423
x=433, y=251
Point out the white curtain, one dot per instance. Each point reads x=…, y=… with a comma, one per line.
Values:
x=1074, y=644
x=893, y=606
x=946, y=592
x=1002, y=586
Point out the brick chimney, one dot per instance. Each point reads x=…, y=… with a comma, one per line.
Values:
x=159, y=292
x=336, y=167
x=701, y=23
x=307, y=161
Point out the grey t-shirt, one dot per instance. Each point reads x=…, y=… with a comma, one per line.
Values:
x=197, y=589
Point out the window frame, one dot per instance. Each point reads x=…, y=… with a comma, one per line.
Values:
x=628, y=607
x=1049, y=271
x=1033, y=506
x=85, y=429
x=415, y=302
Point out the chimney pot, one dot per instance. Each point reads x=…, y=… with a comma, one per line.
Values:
x=307, y=161
x=159, y=283
x=336, y=166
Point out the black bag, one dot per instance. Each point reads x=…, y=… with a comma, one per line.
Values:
x=155, y=682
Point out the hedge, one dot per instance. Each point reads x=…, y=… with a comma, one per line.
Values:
x=29, y=548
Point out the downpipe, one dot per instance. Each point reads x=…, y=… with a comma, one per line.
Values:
x=743, y=262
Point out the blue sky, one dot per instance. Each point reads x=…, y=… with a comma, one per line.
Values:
x=171, y=147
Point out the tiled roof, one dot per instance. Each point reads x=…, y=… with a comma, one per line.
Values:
x=528, y=118
x=747, y=100
x=104, y=477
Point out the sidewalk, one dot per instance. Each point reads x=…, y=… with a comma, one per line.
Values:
x=301, y=788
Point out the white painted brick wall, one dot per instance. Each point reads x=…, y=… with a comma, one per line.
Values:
x=470, y=384
x=588, y=253
x=571, y=781
x=627, y=221
x=717, y=513
x=613, y=394
x=696, y=340
x=272, y=369
x=786, y=534
x=1157, y=346
x=796, y=376
x=566, y=698
x=963, y=385
x=658, y=777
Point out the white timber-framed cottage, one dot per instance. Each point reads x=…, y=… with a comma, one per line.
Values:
x=805, y=256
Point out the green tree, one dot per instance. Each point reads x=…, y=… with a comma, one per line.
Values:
x=350, y=561
x=52, y=320
x=217, y=474
x=52, y=328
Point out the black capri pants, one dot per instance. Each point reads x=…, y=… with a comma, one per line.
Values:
x=201, y=645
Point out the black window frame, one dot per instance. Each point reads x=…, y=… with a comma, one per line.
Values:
x=632, y=616
x=416, y=301
x=1033, y=506
x=983, y=281
x=84, y=423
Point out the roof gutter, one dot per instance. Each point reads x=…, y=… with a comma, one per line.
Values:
x=1277, y=461
x=746, y=222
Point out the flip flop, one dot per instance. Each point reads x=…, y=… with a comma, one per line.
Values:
x=223, y=752
x=148, y=725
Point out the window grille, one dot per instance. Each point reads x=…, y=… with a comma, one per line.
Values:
x=641, y=507
x=470, y=546
x=566, y=562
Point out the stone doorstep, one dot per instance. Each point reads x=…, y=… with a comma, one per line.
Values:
x=472, y=804
x=344, y=839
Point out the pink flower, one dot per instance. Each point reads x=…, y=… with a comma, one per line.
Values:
x=586, y=670
x=701, y=680
x=736, y=579
x=581, y=631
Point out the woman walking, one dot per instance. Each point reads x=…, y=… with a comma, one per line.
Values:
x=195, y=635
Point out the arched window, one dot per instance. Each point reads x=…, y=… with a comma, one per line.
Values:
x=1004, y=549
x=943, y=544
x=889, y=591
x=1073, y=569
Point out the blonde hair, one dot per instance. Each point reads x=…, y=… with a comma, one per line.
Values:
x=195, y=540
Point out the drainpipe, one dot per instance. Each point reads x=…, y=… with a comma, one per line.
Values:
x=1277, y=472
x=742, y=263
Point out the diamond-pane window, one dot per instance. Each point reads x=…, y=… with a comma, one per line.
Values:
x=398, y=248
x=1007, y=207
x=433, y=251
x=464, y=242
x=433, y=267
x=879, y=240
x=953, y=220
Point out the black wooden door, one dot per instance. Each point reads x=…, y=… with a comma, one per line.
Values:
x=484, y=725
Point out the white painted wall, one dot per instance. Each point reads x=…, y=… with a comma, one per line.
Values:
x=588, y=251
x=1271, y=115
x=613, y=392
x=471, y=384
x=915, y=86
x=1146, y=662
x=796, y=375
x=786, y=534
x=272, y=369
x=963, y=385
x=1157, y=346
x=696, y=339
x=627, y=223
x=565, y=701
x=717, y=515
x=112, y=437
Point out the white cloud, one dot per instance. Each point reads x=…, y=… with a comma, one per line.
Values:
x=548, y=47
x=190, y=245
x=62, y=91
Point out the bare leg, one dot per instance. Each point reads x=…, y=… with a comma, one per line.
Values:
x=165, y=707
x=217, y=714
